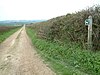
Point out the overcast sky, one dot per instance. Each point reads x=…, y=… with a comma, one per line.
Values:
x=40, y=9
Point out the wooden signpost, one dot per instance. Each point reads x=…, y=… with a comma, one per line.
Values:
x=88, y=22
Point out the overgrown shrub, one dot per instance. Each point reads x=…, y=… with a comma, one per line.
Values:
x=71, y=27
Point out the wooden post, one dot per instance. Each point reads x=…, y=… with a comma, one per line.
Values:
x=90, y=33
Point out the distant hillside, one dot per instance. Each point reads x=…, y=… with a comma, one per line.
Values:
x=14, y=22
x=71, y=27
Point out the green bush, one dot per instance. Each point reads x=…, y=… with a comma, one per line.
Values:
x=71, y=27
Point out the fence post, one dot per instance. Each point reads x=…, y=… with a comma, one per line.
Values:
x=90, y=33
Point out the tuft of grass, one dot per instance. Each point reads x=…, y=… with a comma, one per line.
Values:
x=66, y=58
x=6, y=33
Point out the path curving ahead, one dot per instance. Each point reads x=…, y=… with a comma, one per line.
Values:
x=18, y=57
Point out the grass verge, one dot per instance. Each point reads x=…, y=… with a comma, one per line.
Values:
x=67, y=58
x=6, y=34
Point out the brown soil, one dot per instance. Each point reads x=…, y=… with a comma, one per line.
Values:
x=18, y=57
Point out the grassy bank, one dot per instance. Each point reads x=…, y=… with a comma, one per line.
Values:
x=5, y=32
x=67, y=58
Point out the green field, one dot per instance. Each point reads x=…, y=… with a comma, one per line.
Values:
x=66, y=58
x=6, y=31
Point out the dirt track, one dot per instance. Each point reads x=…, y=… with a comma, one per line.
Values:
x=18, y=57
